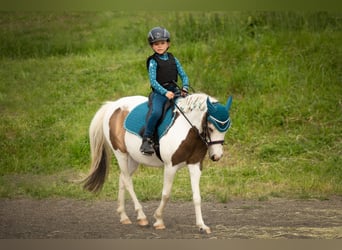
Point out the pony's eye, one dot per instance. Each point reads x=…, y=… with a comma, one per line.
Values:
x=210, y=130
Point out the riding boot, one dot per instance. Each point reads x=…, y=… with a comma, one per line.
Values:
x=147, y=146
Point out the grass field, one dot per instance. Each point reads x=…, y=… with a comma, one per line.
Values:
x=283, y=70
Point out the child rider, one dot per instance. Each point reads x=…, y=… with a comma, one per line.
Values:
x=163, y=71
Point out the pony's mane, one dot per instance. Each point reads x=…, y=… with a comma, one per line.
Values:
x=195, y=101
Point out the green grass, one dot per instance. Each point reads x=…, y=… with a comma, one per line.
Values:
x=282, y=68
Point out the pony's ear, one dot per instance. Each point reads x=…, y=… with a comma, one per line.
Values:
x=210, y=106
x=229, y=103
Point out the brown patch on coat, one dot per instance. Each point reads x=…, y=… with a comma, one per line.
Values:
x=117, y=130
x=191, y=150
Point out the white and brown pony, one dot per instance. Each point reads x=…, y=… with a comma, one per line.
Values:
x=199, y=126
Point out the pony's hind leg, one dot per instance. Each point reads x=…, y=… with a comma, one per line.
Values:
x=121, y=203
x=127, y=167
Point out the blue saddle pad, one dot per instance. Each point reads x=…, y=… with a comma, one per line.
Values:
x=136, y=120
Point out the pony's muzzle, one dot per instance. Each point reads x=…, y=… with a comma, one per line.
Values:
x=215, y=152
x=215, y=157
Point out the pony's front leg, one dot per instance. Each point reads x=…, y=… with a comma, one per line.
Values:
x=195, y=176
x=169, y=174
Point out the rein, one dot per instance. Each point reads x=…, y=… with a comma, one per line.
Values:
x=205, y=129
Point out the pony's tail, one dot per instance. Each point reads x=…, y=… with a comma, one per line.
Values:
x=100, y=154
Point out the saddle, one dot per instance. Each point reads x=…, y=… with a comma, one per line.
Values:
x=135, y=121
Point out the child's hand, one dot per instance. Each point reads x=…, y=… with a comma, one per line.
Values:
x=184, y=92
x=170, y=95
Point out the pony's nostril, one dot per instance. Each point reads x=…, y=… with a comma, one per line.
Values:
x=214, y=158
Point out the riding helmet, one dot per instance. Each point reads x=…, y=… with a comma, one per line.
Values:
x=158, y=34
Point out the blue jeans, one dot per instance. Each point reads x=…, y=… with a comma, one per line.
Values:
x=158, y=102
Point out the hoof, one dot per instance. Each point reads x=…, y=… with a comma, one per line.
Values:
x=205, y=230
x=143, y=222
x=126, y=222
x=159, y=227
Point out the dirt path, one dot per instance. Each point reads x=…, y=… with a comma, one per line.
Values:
x=71, y=219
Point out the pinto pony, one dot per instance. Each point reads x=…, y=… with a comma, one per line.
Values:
x=199, y=125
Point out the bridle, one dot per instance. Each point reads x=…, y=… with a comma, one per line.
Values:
x=205, y=135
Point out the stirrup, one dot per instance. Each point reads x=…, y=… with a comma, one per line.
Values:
x=146, y=146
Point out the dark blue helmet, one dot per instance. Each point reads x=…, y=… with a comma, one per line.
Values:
x=158, y=34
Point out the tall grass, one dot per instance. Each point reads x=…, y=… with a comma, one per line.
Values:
x=282, y=68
